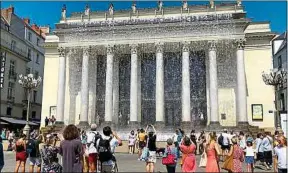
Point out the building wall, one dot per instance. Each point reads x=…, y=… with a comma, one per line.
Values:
x=50, y=84
x=257, y=60
x=17, y=34
x=36, y=66
x=20, y=64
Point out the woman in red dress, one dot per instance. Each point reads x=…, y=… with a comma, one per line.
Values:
x=212, y=151
x=21, y=156
x=188, y=155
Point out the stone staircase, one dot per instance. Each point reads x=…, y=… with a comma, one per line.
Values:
x=52, y=129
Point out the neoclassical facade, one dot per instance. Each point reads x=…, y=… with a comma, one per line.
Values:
x=172, y=67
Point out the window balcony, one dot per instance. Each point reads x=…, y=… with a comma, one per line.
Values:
x=14, y=49
x=12, y=75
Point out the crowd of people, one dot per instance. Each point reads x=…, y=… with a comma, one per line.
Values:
x=77, y=150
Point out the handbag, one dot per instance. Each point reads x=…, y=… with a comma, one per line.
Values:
x=145, y=154
x=203, y=160
x=169, y=159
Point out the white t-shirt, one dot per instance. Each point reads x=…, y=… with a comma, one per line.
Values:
x=175, y=136
x=90, y=142
x=249, y=151
x=266, y=143
x=280, y=152
x=225, y=139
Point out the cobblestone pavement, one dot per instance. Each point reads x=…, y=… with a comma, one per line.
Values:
x=126, y=163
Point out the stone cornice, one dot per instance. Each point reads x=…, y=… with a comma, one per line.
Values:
x=192, y=20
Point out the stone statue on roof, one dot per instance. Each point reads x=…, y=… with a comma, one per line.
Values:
x=63, y=14
x=111, y=9
x=133, y=7
x=87, y=10
x=239, y=3
x=160, y=5
x=212, y=4
x=185, y=5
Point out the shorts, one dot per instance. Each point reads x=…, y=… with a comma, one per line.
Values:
x=35, y=161
x=142, y=144
x=225, y=147
x=249, y=159
x=152, y=157
x=282, y=170
x=268, y=157
x=260, y=156
x=21, y=156
x=92, y=158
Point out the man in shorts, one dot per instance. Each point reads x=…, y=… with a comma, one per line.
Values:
x=107, y=152
x=92, y=151
x=34, y=156
x=225, y=143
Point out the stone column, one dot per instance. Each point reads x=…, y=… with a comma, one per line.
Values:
x=241, y=84
x=159, y=85
x=109, y=86
x=186, y=118
x=139, y=92
x=134, y=86
x=85, y=88
x=213, y=85
x=61, y=87
x=116, y=91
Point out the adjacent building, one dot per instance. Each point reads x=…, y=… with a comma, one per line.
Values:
x=279, y=49
x=22, y=52
x=189, y=66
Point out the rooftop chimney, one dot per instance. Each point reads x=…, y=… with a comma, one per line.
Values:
x=10, y=9
x=26, y=20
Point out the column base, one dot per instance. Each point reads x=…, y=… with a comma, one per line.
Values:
x=134, y=125
x=107, y=123
x=243, y=126
x=83, y=125
x=214, y=126
x=159, y=125
x=186, y=125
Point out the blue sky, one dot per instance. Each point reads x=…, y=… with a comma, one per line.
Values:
x=44, y=13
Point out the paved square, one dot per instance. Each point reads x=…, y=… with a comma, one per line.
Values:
x=126, y=163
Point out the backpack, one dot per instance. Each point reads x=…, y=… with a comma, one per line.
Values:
x=220, y=140
x=97, y=136
x=104, y=150
x=31, y=146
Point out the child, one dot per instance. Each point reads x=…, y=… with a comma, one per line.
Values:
x=132, y=140
x=249, y=155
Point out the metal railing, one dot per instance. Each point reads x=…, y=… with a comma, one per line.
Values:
x=15, y=49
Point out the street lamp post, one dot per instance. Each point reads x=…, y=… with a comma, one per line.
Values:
x=275, y=78
x=29, y=83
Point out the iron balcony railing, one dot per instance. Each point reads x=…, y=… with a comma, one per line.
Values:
x=15, y=49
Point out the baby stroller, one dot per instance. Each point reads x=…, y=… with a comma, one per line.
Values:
x=114, y=168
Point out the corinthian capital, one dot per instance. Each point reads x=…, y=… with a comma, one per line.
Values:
x=61, y=51
x=240, y=43
x=185, y=47
x=159, y=47
x=110, y=49
x=87, y=50
x=212, y=45
x=133, y=48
